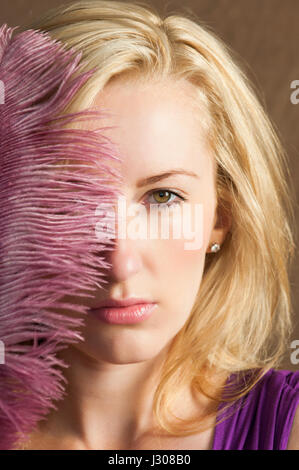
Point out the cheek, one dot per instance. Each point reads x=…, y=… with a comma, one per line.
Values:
x=185, y=254
x=179, y=257
x=180, y=273
x=180, y=270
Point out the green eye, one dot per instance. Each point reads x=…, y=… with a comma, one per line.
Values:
x=161, y=196
x=164, y=197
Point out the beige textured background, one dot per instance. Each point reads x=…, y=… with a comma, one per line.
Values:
x=264, y=34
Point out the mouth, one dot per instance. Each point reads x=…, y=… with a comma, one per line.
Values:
x=124, y=312
x=122, y=303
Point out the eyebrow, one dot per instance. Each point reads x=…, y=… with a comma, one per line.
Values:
x=167, y=174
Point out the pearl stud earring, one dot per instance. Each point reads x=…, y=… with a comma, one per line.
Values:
x=215, y=247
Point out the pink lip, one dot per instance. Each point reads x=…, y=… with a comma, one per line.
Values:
x=122, y=303
x=134, y=313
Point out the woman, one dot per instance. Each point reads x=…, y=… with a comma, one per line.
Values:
x=191, y=132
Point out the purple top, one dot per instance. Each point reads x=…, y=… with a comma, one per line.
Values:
x=265, y=419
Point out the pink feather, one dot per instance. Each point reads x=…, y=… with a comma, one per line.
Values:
x=46, y=250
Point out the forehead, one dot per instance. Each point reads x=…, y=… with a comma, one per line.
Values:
x=156, y=125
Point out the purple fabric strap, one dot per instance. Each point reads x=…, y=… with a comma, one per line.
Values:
x=265, y=417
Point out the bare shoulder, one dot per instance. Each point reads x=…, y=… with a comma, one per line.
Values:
x=293, y=443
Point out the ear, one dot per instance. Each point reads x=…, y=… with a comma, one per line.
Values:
x=222, y=225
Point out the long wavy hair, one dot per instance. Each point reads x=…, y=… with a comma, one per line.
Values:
x=241, y=321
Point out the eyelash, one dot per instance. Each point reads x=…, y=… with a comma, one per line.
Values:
x=171, y=203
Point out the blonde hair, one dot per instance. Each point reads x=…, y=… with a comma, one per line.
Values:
x=241, y=320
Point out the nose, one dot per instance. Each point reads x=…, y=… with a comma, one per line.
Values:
x=123, y=255
x=124, y=259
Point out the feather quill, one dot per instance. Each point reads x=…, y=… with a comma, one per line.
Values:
x=48, y=243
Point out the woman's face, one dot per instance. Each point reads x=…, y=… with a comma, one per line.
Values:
x=158, y=130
